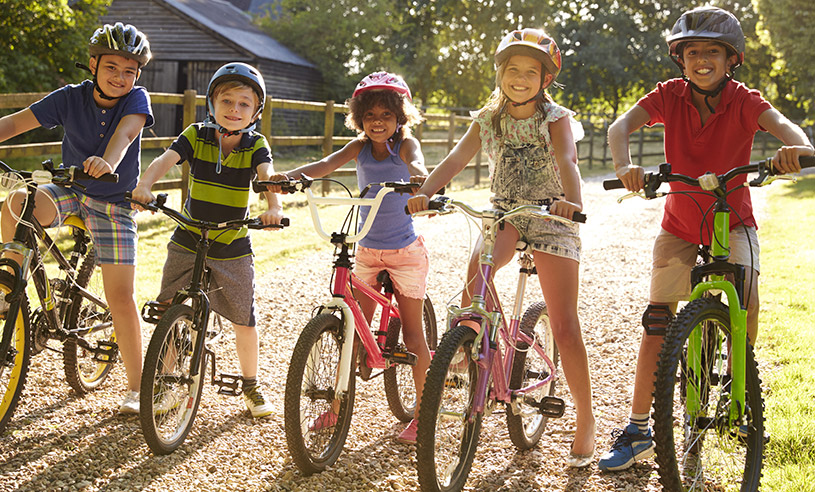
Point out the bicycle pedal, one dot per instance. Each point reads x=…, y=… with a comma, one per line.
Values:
x=106, y=351
x=228, y=384
x=152, y=311
x=400, y=355
x=551, y=406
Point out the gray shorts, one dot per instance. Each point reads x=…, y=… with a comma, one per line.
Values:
x=674, y=258
x=231, y=287
x=546, y=236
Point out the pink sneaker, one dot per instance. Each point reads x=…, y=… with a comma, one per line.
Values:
x=408, y=436
x=324, y=421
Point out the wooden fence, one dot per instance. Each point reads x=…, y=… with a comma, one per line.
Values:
x=646, y=143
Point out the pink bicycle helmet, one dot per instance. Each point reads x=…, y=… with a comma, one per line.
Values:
x=530, y=42
x=383, y=80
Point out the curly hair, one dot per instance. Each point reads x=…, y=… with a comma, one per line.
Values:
x=407, y=115
x=498, y=101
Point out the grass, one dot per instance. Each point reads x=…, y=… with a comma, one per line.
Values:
x=787, y=336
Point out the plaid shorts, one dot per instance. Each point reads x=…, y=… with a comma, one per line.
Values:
x=112, y=227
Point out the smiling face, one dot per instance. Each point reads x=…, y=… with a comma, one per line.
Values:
x=379, y=123
x=706, y=63
x=115, y=74
x=235, y=106
x=523, y=77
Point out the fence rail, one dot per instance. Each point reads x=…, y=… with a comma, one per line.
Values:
x=646, y=143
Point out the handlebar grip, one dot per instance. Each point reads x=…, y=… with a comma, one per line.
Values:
x=435, y=205
x=807, y=161
x=257, y=188
x=613, y=184
x=579, y=217
x=285, y=222
x=79, y=173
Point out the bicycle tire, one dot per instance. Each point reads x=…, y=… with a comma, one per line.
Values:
x=526, y=429
x=448, y=430
x=169, y=396
x=15, y=352
x=310, y=396
x=707, y=452
x=82, y=371
x=400, y=389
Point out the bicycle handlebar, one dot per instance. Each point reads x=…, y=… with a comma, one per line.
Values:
x=707, y=181
x=158, y=205
x=304, y=184
x=443, y=205
x=62, y=176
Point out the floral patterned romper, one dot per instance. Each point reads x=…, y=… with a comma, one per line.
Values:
x=523, y=170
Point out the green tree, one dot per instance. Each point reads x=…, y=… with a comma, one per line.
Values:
x=41, y=40
x=786, y=27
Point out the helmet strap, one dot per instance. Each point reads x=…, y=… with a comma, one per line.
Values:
x=711, y=93
x=211, y=123
x=392, y=139
x=95, y=82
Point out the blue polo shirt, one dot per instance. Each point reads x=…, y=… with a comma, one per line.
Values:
x=88, y=130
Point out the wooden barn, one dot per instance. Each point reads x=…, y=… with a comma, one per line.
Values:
x=190, y=39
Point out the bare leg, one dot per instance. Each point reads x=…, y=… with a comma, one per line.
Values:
x=413, y=334
x=248, y=348
x=119, y=283
x=559, y=283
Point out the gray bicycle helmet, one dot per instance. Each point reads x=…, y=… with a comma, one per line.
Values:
x=121, y=39
x=242, y=72
x=708, y=23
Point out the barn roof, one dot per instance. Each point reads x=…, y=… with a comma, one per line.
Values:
x=235, y=27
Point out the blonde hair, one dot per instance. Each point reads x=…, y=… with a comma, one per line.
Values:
x=497, y=103
x=407, y=115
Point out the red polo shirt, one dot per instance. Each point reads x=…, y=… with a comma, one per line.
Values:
x=724, y=142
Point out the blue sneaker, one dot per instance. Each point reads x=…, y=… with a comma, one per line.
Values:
x=630, y=445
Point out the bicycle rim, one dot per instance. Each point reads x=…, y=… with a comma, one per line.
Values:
x=169, y=394
x=448, y=429
x=700, y=450
x=93, y=323
x=316, y=418
x=528, y=368
x=14, y=354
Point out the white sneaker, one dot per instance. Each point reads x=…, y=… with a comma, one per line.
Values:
x=130, y=405
x=256, y=403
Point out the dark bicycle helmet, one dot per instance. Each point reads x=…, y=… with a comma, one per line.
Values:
x=708, y=23
x=121, y=39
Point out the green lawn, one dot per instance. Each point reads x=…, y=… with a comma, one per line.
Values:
x=786, y=339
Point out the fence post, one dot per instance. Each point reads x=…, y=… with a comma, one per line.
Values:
x=419, y=131
x=189, y=119
x=605, y=143
x=328, y=141
x=266, y=119
x=451, y=132
x=591, y=143
x=477, y=170
x=641, y=146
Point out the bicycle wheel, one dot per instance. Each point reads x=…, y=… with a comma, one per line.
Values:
x=316, y=418
x=15, y=352
x=448, y=429
x=169, y=395
x=702, y=451
x=83, y=370
x=400, y=388
x=526, y=428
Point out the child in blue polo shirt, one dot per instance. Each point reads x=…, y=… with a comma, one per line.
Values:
x=103, y=120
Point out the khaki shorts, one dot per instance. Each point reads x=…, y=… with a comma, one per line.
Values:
x=674, y=258
x=407, y=267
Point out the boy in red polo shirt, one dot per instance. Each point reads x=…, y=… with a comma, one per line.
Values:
x=710, y=121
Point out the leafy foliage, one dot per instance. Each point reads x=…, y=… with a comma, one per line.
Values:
x=41, y=40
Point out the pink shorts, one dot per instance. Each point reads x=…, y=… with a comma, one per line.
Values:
x=407, y=267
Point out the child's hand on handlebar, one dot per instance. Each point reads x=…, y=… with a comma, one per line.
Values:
x=418, y=203
x=273, y=216
x=786, y=158
x=420, y=179
x=632, y=176
x=564, y=208
x=142, y=194
x=96, y=166
x=277, y=189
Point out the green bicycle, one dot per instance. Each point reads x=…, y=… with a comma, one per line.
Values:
x=708, y=407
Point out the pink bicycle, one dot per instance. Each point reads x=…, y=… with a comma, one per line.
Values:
x=320, y=385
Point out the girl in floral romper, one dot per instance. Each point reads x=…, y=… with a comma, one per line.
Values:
x=533, y=160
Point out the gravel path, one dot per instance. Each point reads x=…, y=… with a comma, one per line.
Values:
x=57, y=441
